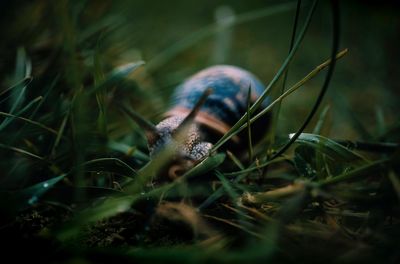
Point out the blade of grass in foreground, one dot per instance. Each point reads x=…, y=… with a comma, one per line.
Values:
x=59, y=134
x=150, y=170
x=109, y=207
x=24, y=82
x=250, y=142
x=328, y=77
x=328, y=146
x=227, y=185
x=110, y=165
x=34, y=111
x=22, y=199
x=128, y=150
x=320, y=123
x=241, y=175
x=395, y=182
x=256, y=105
x=240, y=125
x=352, y=175
x=274, y=121
x=101, y=95
x=23, y=69
x=235, y=160
x=123, y=202
x=116, y=75
x=8, y=120
x=29, y=121
x=21, y=151
x=254, y=167
x=206, y=165
x=117, y=204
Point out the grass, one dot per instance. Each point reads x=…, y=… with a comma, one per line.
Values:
x=78, y=184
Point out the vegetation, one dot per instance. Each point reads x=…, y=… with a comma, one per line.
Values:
x=77, y=182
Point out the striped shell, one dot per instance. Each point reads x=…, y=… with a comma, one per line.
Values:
x=217, y=113
x=228, y=101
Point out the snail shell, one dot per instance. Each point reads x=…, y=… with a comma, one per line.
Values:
x=214, y=117
x=228, y=101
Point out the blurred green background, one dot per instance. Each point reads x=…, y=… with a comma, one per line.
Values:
x=364, y=88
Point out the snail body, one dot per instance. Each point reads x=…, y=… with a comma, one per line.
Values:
x=209, y=103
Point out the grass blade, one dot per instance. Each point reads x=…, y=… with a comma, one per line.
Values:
x=257, y=104
x=328, y=146
x=236, y=128
x=332, y=63
x=30, y=122
x=321, y=120
x=22, y=199
x=116, y=75
x=249, y=127
x=352, y=175
x=285, y=75
x=205, y=166
x=21, y=151
x=8, y=120
x=110, y=165
x=241, y=175
x=24, y=82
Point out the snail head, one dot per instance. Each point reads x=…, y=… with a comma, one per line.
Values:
x=181, y=134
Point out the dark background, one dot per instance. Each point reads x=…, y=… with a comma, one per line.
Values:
x=365, y=84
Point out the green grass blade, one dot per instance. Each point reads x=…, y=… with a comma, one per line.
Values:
x=30, y=122
x=235, y=160
x=23, y=69
x=24, y=198
x=21, y=151
x=354, y=174
x=237, y=128
x=39, y=189
x=8, y=120
x=257, y=104
x=250, y=142
x=24, y=82
x=380, y=121
x=59, y=134
x=101, y=95
x=328, y=147
x=116, y=76
x=331, y=62
x=78, y=195
x=128, y=150
x=205, y=166
x=285, y=75
x=320, y=123
x=110, y=165
x=394, y=179
x=109, y=207
x=227, y=186
x=255, y=167
x=240, y=176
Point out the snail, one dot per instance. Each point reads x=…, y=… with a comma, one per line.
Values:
x=206, y=105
